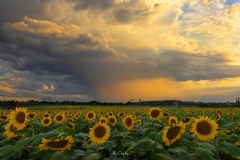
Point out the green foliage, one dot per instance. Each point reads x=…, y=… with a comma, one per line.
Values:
x=163, y=155
x=231, y=149
x=141, y=142
x=145, y=144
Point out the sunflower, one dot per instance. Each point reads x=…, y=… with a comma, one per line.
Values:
x=59, y=118
x=112, y=120
x=172, y=120
x=77, y=116
x=19, y=118
x=155, y=113
x=224, y=131
x=102, y=120
x=57, y=144
x=32, y=115
x=128, y=122
x=46, y=114
x=165, y=114
x=3, y=117
x=70, y=119
x=171, y=134
x=79, y=113
x=99, y=133
x=187, y=120
x=218, y=116
x=86, y=144
x=139, y=122
x=134, y=116
x=9, y=130
x=91, y=115
x=121, y=114
x=237, y=143
x=204, y=128
x=237, y=126
x=46, y=121
x=70, y=126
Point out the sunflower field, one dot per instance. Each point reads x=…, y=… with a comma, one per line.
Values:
x=91, y=133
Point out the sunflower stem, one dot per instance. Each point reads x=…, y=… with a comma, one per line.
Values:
x=152, y=127
x=196, y=144
x=217, y=148
x=33, y=147
x=124, y=135
x=19, y=155
x=97, y=148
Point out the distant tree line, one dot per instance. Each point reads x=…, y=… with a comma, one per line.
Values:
x=13, y=103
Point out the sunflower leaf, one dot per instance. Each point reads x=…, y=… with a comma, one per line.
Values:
x=92, y=148
x=207, y=145
x=7, y=151
x=143, y=145
x=62, y=127
x=204, y=153
x=36, y=124
x=163, y=155
x=231, y=149
x=48, y=135
x=93, y=156
x=59, y=155
x=108, y=145
x=158, y=137
x=116, y=133
x=80, y=137
x=77, y=154
x=180, y=153
x=24, y=142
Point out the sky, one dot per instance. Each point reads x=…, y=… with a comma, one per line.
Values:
x=118, y=50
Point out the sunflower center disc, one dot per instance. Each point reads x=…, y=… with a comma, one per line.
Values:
x=173, y=132
x=59, y=144
x=12, y=128
x=204, y=127
x=186, y=120
x=31, y=115
x=3, y=117
x=112, y=120
x=90, y=115
x=69, y=125
x=46, y=121
x=20, y=117
x=155, y=113
x=59, y=118
x=165, y=114
x=100, y=131
x=173, y=121
x=128, y=122
x=103, y=121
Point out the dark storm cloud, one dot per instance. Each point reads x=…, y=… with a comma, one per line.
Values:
x=131, y=11
x=38, y=64
x=12, y=11
x=87, y=39
x=129, y=15
x=93, y=4
x=187, y=66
